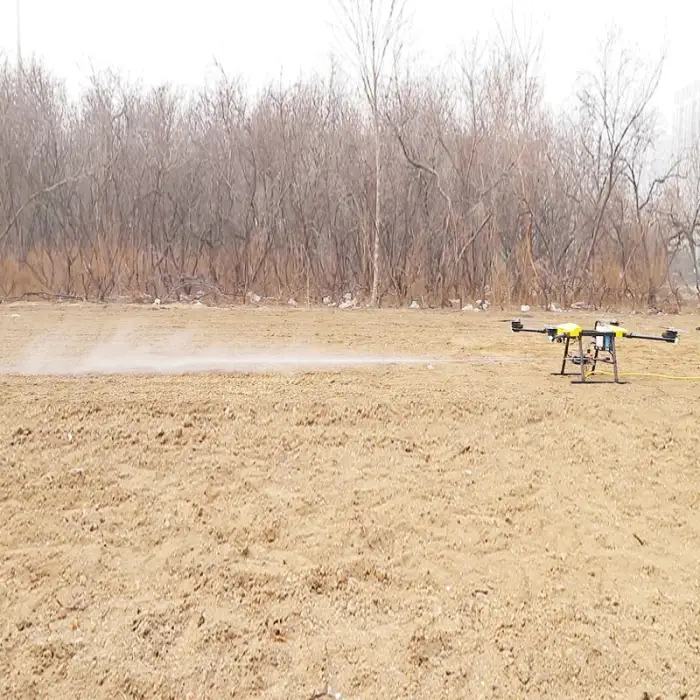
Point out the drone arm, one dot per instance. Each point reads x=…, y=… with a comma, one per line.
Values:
x=517, y=327
x=529, y=330
x=669, y=336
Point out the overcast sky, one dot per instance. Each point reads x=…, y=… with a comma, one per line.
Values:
x=177, y=41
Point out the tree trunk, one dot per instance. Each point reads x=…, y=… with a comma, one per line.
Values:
x=377, y=211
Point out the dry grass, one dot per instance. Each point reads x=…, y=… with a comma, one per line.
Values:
x=111, y=270
x=466, y=530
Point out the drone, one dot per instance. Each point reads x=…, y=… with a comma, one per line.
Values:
x=604, y=336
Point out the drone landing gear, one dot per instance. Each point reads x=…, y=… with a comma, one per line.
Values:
x=586, y=360
x=567, y=358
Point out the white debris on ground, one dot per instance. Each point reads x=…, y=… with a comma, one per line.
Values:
x=479, y=305
x=454, y=303
x=349, y=302
x=414, y=305
x=292, y=302
x=524, y=308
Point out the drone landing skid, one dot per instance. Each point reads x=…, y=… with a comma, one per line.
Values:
x=567, y=358
x=584, y=360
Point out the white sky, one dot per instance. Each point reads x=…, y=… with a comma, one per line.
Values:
x=178, y=40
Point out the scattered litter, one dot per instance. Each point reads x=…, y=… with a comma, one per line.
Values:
x=414, y=305
x=524, y=308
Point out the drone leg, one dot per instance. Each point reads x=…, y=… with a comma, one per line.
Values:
x=566, y=355
x=583, y=364
x=595, y=358
x=613, y=354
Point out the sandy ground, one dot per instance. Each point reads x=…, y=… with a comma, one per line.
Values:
x=455, y=530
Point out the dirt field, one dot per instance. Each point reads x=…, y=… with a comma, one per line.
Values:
x=445, y=530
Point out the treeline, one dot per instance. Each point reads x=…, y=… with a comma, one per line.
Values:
x=484, y=190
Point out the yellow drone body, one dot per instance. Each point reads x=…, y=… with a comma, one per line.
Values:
x=570, y=330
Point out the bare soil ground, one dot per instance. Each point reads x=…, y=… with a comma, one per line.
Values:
x=459, y=530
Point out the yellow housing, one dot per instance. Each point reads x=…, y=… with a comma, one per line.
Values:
x=573, y=330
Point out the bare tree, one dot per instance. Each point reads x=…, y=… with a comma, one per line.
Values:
x=374, y=30
x=461, y=183
x=682, y=211
x=613, y=119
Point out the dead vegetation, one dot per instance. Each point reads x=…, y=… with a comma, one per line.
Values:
x=459, y=184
